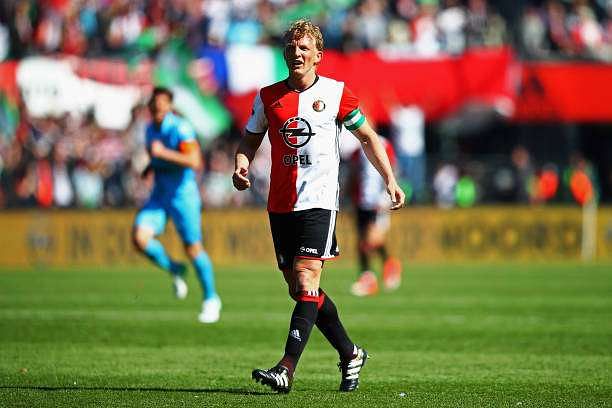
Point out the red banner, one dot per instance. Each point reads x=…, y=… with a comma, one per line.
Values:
x=439, y=86
x=565, y=92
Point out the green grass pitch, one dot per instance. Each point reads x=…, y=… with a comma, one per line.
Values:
x=510, y=335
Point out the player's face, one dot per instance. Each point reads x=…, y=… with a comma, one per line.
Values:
x=159, y=107
x=302, y=56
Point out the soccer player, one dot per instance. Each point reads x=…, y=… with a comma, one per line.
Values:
x=175, y=154
x=373, y=223
x=303, y=116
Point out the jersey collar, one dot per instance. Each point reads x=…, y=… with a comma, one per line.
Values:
x=303, y=90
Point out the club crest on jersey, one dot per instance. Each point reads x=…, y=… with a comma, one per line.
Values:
x=318, y=105
x=296, y=132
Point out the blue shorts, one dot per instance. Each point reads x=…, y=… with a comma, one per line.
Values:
x=185, y=214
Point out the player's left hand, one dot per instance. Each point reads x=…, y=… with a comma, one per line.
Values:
x=397, y=195
x=240, y=179
x=157, y=148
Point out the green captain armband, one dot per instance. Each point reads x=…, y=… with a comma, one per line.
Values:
x=354, y=120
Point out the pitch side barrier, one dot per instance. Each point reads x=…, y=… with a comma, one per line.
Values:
x=90, y=238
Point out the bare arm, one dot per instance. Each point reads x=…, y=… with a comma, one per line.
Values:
x=376, y=154
x=244, y=156
x=191, y=157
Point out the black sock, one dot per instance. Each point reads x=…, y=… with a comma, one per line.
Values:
x=329, y=323
x=302, y=320
x=382, y=250
x=364, y=261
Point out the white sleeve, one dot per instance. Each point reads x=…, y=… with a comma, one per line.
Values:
x=258, y=123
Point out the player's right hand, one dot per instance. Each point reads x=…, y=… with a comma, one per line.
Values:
x=240, y=180
x=397, y=195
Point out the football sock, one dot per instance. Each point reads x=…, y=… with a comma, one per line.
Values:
x=330, y=325
x=206, y=275
x=302, y=320
x=382, y=251
x=364, y=260
x=155, y=251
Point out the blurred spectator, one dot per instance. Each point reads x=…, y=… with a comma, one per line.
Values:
x=74, y=40
x=244, y=28
x=217, y=189
x=547, y=183
x=451, y=22
x=425, y=30
x=408, y=125
x=63, y=190
x=558, y=33
x=22, y=27
x=533, y=33
x=126, y=24
x=444, y=182
x=466, y=191
x=49, y=31
x=585, y=31
x=371, y=21
x=88, y=184
x=581, y=179
x=523, y=174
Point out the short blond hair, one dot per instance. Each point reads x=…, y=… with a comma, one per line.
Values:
x=301, y=28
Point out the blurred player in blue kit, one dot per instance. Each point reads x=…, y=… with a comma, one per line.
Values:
x=175, y=155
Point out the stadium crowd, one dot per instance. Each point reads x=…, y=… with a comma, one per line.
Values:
x=70, y=161
x=579, y=28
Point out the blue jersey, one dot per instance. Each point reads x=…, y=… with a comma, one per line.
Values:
x=172, y=180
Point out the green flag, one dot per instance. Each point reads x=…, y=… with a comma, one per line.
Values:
x=205, y=112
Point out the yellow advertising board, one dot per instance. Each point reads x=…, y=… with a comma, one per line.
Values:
x=73, y=238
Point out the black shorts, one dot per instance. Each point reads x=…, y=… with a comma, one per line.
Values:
x=365, y=218
x=304, y=234
x=368, y=217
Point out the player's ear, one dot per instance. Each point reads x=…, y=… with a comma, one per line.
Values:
x=318, y=57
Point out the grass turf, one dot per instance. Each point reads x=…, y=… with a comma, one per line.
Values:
x=513, y=335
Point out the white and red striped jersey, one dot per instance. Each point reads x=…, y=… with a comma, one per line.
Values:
x=370, y=191
x=304, y=129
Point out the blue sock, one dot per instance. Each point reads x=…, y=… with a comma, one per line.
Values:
x=156, y=252
x=206, y=275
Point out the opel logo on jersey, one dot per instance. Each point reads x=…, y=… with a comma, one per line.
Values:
x=296, y=132
x=318, y=105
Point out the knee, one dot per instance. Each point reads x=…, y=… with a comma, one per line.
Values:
x=140, y=238
x=308, y=275
x=193, y=250
x=370, y=243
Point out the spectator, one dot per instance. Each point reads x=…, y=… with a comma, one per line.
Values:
x=523, y=174
x=533, y=33
x=444, y=183
x=425, y=30
x=451, y=22
x=585, y=31
x=371, y=20
x=63, y=190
